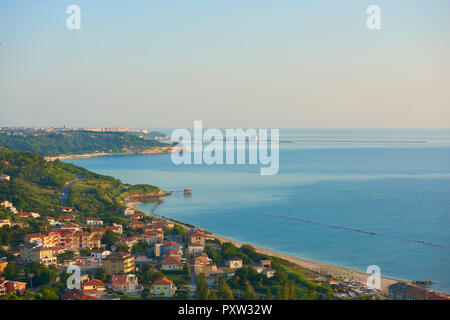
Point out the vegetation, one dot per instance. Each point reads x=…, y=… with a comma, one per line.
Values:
x=36, y=184
x=77, y=142
x=290, y=281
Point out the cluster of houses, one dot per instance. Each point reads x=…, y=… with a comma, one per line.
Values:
x=406, y=291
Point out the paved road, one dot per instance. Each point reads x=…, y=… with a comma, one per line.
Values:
x=64, y=199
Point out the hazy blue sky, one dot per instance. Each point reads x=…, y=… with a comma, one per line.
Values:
x=254, y=63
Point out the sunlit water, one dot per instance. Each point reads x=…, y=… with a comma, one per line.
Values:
x=394, y=183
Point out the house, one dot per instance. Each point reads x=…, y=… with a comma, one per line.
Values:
x=157, y=249
x=69, y=210
x=15, y=287
x=269, y=273
x=172, y=253
x=134, y=225
x=197, y=238
x=94, y=287
x=5, y=222
x=116, y=228
x=163, y=287
x=171, y=248
x=4, y=177
x=171, y=263
x=94, y=221
x=126, y=283
x=405, y=291
x=203, y=264
x=144, y=260
x=67, y=218
x=37, y=253
x=100, y=254
x=3, y=265
x=266, y=264
x=9, y=206
x=128, y=211
x=119, y=262
x=234, y=263
x=194, y=250
x=136, y=216
x=152, y=237
x=202, y=260
x=28, y=215
x=77, y=294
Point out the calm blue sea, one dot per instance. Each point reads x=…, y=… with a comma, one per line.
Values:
x=395, y=183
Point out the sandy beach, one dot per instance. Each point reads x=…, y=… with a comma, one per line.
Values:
x=157, y=150
x=324, y=268
x=335, y=271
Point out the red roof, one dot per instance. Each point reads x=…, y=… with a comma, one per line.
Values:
x=171, y=260
x=171, y=244
x=94, y=282
x=77, y=294
x=197, y=234
x=163, y=281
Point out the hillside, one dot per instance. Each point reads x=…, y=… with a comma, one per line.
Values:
x=77, y=142
x=36, y=184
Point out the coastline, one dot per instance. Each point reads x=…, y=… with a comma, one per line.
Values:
x=321, y=268
x=156, y=150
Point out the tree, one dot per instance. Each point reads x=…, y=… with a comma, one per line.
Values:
x=269, y=294
x=279, y=297
x=109, y=238
x=292, y=295
x=225, y=292
x=285, y=292
x=202, y=290
x=212, y=296
x=250, y=293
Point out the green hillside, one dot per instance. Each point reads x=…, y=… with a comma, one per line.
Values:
x=36, y=185
x=76, y=142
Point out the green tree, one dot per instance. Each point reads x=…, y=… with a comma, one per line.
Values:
x=292, y=295
x=250, y=293
x=269, y=294
x=285, y=292
x=108, y=238
x=202, y=290
x=212, y=296
x=279, y=296
x=225, y=292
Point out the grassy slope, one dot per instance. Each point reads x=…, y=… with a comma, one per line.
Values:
x=35, y=186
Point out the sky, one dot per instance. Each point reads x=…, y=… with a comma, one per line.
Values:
x=246, y=63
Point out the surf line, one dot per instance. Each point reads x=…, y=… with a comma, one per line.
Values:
x=323, y=224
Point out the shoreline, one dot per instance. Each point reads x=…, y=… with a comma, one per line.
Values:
x=322, y=268
x=156, y=150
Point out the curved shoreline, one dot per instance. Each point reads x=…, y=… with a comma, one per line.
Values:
x=156, y=150
x=322, y=268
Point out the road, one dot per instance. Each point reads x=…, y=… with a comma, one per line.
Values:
x=65, y=192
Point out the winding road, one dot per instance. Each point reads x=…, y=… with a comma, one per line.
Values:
x=64, y=199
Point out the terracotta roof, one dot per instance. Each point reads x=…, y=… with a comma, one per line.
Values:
x=197, y=234
x=171, y=244
x=171, y=260
x=163, y=281
x=94, y=282
x=119, y=279
x=77, y=294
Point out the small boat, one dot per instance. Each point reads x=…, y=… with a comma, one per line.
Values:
x=187, y=192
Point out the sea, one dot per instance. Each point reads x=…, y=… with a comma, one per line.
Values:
x=347, y=197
